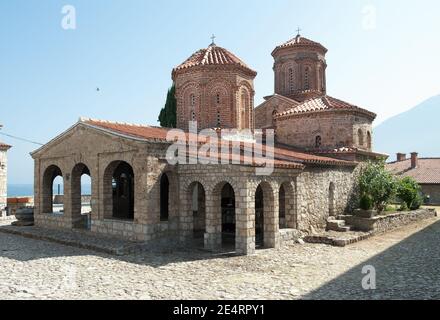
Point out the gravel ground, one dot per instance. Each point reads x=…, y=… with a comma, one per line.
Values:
x=407, y=263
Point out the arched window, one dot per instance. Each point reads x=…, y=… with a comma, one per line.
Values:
x=361, y=138
x=307, y=79
x=369, y=140
x=244, y=109
x=318, y=142
x=291, y=81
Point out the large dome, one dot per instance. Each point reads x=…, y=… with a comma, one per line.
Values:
x=300, y=42
x=213, y=56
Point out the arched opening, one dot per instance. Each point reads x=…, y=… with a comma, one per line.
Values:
x=119, y=191
x=361, y=138
x=198, y=208
x=282, y=207
x=228, y=215
x=53, y=190
x=259, y=217
x=331, y=200
x=164, y=198
x=318, y=142
x=369, y=141
x=81, y=197
x=244, y=114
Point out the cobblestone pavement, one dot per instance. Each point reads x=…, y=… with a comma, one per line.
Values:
x=407, y=263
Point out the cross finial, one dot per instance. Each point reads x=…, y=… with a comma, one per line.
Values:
x=213, y=39
x=298, y=30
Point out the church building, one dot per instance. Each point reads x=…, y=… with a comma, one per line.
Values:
x=320, y=143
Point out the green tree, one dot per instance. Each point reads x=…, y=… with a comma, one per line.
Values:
x=409, y=191
x=377, y=184
x=168, y=116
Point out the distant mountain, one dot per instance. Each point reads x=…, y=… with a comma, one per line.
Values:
x=417, y=130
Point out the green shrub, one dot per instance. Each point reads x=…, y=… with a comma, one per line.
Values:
x=409, y=191
x=366, y=203
x=376, y=183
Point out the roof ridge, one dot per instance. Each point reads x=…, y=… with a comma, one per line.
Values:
x=85, y=119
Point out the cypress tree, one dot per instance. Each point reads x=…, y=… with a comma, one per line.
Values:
x=167, y=116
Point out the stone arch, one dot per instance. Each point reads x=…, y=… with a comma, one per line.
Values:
x=369, y=141
x=266, y=216
x=49, y=175
x=221, y=216
x=119, y=191
x=361, y=141
x=79, y=221
x=197, y=202
x=331, y=200
x=287, y=206
x=220, y=113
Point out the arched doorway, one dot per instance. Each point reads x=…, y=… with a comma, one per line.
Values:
x=119, y=191
x=198, y=209
x=282, y=207
x=331, y=200
x=259, y=217
x=81, y=197
x=53, y=190
x=228, y=215
x=164, y=197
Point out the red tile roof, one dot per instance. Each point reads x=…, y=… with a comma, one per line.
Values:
x=300, y=41
x=213, y=55
x=323, y=103
x=427, y=171
x=283, y=156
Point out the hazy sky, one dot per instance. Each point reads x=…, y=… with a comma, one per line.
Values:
x=383, y=55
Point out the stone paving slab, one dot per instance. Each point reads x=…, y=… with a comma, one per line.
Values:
x=338, y=239
x=79, y=239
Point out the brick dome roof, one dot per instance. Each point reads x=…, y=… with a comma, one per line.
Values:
x=213, y=56
x=300, y=42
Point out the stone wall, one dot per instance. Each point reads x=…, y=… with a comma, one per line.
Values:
x=433, y=190
x=315, y=196
x=334, y=128
x=384, y=223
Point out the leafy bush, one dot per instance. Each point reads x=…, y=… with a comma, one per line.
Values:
x=366, y=203
x=409, y=191
x=376, y=183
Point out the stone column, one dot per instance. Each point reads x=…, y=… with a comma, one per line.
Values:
x=186, y=219
x=245, y=221
x=271, y=221
x=67, y=200
x=213, y=234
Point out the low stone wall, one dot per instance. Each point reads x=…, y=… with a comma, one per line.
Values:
x=384, y=223
x=53, y=221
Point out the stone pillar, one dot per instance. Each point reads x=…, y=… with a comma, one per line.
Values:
x=213, y=234
x=186, y=219
x=67, y=201
x=271, y=220
x=245, y=221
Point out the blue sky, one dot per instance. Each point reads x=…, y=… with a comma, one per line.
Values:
x=127, y=48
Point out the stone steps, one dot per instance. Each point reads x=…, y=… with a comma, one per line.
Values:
x=338, y=226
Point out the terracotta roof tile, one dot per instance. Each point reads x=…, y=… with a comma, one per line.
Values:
x=299, y=41
x=283, y=156
x=427, y=172
x=323, y=103
x=213, y=55
x=4, y=146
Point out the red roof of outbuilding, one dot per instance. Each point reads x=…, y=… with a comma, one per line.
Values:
x=427, y=171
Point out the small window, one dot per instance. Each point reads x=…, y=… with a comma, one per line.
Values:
x=306, y=79
x=361, y=137
x=291, y=81
x=318, y=142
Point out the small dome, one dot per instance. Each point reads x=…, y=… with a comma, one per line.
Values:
x=300, y=42
x=213, y=56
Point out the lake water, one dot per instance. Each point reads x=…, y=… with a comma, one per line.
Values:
x=27, y=190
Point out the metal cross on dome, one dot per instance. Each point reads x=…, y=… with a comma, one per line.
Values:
x=298, y=30
x=213, y=38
